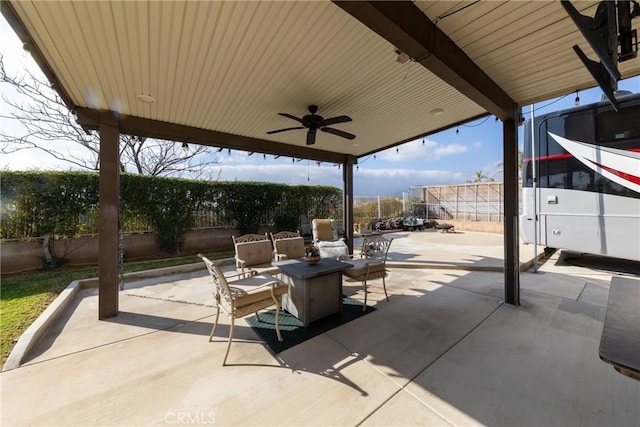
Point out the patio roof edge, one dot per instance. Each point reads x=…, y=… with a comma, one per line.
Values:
x=10, y=14
x=424, y=135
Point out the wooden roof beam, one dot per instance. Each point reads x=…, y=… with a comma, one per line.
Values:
x=137, y=126
x=407, y=28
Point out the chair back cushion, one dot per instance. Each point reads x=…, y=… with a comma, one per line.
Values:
x=254, y=253
x=292, y=247
x=324, y=229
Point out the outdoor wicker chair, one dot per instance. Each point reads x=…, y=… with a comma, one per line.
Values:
x=242, y=297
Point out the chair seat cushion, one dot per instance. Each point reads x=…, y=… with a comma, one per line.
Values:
x=331, y=244
x=255, y=289
x=359, y=269
x=337, y=249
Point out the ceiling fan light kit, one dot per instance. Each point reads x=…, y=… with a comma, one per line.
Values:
x=312, y=122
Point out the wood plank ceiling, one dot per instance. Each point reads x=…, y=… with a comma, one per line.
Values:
x=231, y=67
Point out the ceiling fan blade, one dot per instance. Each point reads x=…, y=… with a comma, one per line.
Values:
x=297, y=119
x=311, y=136
x=338, y=132
x=282, y=130
x=334, y=121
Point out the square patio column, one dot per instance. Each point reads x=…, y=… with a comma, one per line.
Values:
x=511, y=207
x=347, y=203
x=109, y=239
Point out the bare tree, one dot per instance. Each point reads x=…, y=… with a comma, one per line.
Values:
x=47, y=122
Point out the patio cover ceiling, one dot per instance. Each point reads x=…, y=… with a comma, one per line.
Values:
x=221, y=71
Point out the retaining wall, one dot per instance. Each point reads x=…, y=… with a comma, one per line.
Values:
x=481, y=227
x=17, y=257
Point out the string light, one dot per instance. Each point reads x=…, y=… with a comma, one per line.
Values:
x=457, y=130
x=540, y=107
x=264, y=156
x=577, y=100
x=229, y=151
x=397, y=150
x=422, y=141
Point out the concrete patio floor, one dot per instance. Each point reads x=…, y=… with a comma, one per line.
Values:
x=444, y=350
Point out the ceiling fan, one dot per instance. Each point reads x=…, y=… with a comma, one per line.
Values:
x=313, y=122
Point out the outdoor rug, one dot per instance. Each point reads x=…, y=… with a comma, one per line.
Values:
x=292, y=330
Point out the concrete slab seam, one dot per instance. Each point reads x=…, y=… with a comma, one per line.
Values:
x=169, y=300
x=441, y=356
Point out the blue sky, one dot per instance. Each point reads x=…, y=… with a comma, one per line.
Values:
x=448, y=157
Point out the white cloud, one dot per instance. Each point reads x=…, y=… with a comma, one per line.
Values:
x=286, y=172
x=417, y=151
x=366, y=181
x=16, y=59
x=395, y=181
x=34, y=159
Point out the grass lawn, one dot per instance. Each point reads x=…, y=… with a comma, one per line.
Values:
x=24, y=297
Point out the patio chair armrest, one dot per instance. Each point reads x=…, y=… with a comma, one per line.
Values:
x=281, y=257
x=241, y=274
x=278, y=284
x=244, y=270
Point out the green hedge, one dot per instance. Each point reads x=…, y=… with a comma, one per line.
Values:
x=65, y=204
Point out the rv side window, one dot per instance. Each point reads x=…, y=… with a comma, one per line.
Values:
x=580, y=127
x=620, y=126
